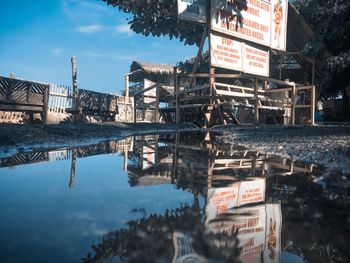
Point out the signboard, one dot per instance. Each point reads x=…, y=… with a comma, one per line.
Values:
x=261, y=22
x=279, y=12
x=150, y=95
x=231, y=54
x=193, y=10
x=237, y=194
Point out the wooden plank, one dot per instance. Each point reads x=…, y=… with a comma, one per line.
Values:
x=302, y=106
x=18, y=107
x=313, y=105
x=293, y=105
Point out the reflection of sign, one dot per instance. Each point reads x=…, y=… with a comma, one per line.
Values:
x=148, y=156
x=183, y=246
x=260, y=23
x=192, y=10
x=258, y=230
x=150, y=95
x=235, y=55
x=237, y=194
x=272, y=251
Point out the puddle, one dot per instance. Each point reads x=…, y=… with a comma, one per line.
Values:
x=179, y=197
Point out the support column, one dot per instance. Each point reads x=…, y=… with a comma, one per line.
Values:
x=293, y=105
x=126, y=98
x=177, y=97
x=157, y=104
x=134, y=108
x=313, y=104
x=256, y=103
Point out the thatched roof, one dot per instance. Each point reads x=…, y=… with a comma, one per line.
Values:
x=159, y=73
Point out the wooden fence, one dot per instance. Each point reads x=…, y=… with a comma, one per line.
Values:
x=60, y=98
x=24, y=96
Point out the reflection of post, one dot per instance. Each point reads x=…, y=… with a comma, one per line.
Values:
x=175, y=159
x=253, y=166
x=126, y=153
x=72, y=169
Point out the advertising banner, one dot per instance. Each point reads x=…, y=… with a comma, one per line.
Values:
x=193, y=10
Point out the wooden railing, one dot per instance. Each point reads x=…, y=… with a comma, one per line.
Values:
x=25, y=96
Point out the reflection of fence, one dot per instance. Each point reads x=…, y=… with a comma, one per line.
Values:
x=25, y=158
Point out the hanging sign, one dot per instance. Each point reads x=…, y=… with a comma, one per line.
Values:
x=232, y=54
x=193, y=10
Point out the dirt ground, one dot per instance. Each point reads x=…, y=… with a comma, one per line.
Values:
x=328, y=145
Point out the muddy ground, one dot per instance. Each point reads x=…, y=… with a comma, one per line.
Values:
x=328, y=145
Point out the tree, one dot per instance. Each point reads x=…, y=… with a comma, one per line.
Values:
x=156, y=18
x=330, y=20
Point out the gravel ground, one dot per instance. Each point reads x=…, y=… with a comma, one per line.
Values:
x=328, y=145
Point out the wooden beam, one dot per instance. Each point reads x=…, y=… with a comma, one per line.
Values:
x=199, y=54
x=293, y=105
x=256, y=103
x=313, y=105
x=177, y=96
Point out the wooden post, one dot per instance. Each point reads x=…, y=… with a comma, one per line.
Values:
x=212, y=83
x=74, y=81
x=313, y=104
x=126, y=98
x=293, y=105
x=256, y=104
x=157, y=104
x=177, y=97
x=313, y=72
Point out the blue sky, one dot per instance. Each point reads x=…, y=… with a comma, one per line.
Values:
x=38, y=38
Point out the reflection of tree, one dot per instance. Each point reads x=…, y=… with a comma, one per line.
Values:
x=151, y=239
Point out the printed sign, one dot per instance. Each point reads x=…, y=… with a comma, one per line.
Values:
x=279, y=24
x=150, y=95
x=260, y=22
x=231, y=54
x=193, y=10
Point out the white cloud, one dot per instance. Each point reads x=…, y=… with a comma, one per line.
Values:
x=89, y=29
x=124, y=29
x=57, y=51
x=109, y=55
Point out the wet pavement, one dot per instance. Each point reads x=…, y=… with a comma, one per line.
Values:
x=180, y=197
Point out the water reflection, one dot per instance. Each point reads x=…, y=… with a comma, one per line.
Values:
x=247, y=206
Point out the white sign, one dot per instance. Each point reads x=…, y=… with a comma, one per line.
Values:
x=260, y=23
x=193, y=10
x=150, y=95
x=231, y=54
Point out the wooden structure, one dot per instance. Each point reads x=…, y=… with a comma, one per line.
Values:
x=220, y=96
x=150, y=85
x=24, y=96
